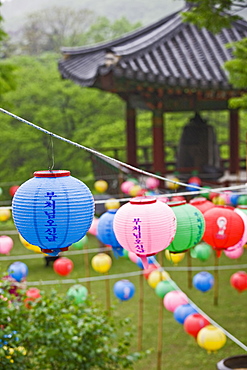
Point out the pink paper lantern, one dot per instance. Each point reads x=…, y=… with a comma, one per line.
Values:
x=126, y=186
x=133, y=257
x=178, y=198
x=6, y=244
x=233, y=254
x=152, y=183
x=174, y=299
x=93, y=228
x=238, y=246
x=144, y=226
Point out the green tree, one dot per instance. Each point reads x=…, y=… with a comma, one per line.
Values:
x=215, y=15
x=60, y=106
x=54, y=332
x=103, y=29
x=7, y=77
x=237, y=69
x=52, y=28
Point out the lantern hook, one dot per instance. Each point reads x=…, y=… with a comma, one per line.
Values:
x=51, y=154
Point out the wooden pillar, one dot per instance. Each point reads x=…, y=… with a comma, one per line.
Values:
x=131, y=135
x=234, y=142
x=158, y=142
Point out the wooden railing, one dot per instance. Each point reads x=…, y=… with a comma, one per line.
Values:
x=144, y=157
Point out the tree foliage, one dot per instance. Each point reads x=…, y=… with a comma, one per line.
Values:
x=237, y=69
x=7, y=77
x=54, y=332
x=55, y=27
x=60, y=106
x=215, y=15
x=103, y=29
x=49, y=29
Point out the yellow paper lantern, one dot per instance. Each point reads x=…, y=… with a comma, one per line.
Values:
x=172, y=185
x=211, y=338
x=135, y=190
x=219, y=200
x=156, y=276
x=5, y=214
x=101, y=262
x=29, y=246
x=174, y=257
x=112, y=203
x=101, y=186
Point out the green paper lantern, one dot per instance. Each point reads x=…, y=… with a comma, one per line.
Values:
x=163, y=287
x=126, y=254
x=81, y=243
x=206, y=194
x=242, y=200
x=202, y=251
x=190, y=226
x=78, y=293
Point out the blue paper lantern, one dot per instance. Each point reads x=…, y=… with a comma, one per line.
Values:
x=18, y=270
x=234, y=199
x=124, y=289
x=191, y=187
x=53, y=210
x=183, y=311
x=151, y=260
x=106, y=234
x=203, y=281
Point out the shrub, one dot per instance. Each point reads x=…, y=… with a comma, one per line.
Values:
x=54, y=332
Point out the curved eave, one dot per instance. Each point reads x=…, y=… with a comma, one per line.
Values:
x=170, y=53
x=125, y=39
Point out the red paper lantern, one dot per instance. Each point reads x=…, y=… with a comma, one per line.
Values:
x=151, y=267
x=63, y=266
x=202, y=204
x=195, y=180
x=32, y=294
x=213, y=195
x=194, y=323
x=239, y=281
x=224, y=227
x=13, y=189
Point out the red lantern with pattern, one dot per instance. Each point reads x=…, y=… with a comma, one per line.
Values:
x=224, y=227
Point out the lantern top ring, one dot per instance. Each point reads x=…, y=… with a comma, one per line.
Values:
x=53, y=173
x=198, y=200
x=143, y=200
x=225, y=206
x=242, y=206
x=176, y=203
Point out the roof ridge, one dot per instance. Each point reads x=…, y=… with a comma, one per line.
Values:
x=150, y=38
x=122, y=39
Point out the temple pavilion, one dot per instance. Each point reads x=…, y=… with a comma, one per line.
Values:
x=167, y=66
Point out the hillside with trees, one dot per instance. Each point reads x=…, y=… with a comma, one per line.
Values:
x=144, y=11
x=35, y=91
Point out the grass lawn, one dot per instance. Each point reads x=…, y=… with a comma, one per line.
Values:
x=180, y=351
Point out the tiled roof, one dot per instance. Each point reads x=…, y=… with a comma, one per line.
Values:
x=168, y=52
